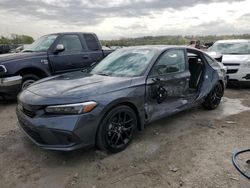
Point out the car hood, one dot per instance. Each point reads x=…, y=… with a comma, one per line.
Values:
x=6, y=58
x=233, y=58
x=78, y=85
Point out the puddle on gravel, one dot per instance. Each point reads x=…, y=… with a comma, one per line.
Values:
x=230, y=107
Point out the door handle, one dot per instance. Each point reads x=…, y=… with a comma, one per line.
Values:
x=85, y=57
x=156, y=79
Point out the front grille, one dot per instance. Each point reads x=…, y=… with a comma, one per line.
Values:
x=29, y=113
x=33, y=134
x=29, y=110
x=2, y=69
x=232, y=71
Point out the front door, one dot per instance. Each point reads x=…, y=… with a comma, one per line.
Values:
x=72, y=58
x=167, y=84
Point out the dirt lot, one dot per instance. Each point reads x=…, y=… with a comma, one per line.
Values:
x=190, y=149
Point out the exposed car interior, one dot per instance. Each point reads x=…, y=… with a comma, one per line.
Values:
x=196, y=67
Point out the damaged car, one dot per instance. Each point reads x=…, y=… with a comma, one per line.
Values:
x=129, y=89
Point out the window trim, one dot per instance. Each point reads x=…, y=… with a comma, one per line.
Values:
x=173, y=73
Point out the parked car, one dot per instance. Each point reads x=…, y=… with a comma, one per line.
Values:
x=19, y=49
x=127, y=90
x=236, y=57
x=49, y=55
x=4, y=48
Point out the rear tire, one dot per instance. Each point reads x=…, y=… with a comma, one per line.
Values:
x=29, y=79
x=116, y=130
x=213, y=99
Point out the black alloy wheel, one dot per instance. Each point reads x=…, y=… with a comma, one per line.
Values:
x=116, y=130
x=213, y=99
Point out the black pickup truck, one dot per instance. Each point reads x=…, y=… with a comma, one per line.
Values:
x=49, y=55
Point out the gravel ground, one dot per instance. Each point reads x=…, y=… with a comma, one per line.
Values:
x=190, y=149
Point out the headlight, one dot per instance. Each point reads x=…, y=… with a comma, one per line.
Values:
x=246, y=64
x=79, y=108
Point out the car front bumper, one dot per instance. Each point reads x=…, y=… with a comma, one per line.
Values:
x=10, y=86
x=61, y=133
x=238, y=74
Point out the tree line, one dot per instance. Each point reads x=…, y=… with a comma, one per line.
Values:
x=16, y=39
x=146, y=40
x=170, y=40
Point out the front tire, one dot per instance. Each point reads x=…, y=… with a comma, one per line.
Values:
x=213, y=99
x=116, y=130
x=29, y=79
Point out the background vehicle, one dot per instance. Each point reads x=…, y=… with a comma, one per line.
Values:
x=49, y=55
x=125, y=91
x=4, y=48
x=19, y=49
x=236, y=57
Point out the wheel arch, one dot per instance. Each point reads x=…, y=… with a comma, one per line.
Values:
x=33, y=70
x=122, y=102
x=129, y=103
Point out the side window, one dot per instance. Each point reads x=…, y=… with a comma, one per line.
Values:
x=172, y=61
x=71, y=43
x=92, y=42
x=212, y=62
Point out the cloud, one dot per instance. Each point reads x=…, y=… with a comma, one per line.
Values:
x=133, y=26
x=124, y=18
x=245, y=17
x=75, y=12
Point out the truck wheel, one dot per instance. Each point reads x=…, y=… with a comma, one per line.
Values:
x=213, y=99
x=116, y=129
x=29, y=79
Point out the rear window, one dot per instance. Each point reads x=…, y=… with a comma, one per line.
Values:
x=92, y=42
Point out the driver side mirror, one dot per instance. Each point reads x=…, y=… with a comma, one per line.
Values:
x=59, y=48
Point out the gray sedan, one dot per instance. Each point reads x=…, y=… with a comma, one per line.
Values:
x=127, y=90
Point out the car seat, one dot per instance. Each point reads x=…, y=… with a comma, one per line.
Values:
x=195, y=68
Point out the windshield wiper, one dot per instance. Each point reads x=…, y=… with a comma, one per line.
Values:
x=103, y=74
x=27, y=51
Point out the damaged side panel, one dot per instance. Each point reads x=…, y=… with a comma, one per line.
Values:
x=170, y=93
x=165, y=95
x=210, y=78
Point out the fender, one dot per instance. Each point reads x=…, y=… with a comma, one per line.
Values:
x=39, y=71
x=131, y=103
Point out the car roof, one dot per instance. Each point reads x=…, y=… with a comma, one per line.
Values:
x=61, y=33
x=161, y=47
x=233, y=41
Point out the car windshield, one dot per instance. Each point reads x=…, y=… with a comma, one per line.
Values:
x=231, y=48
x=42, y=44
x=125, y=63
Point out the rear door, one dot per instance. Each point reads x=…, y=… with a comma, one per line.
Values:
x=209, y=75
x=94, y=47
x=74, y=57
x=167, y=84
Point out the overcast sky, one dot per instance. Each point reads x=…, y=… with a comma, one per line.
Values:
x=113, y=19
